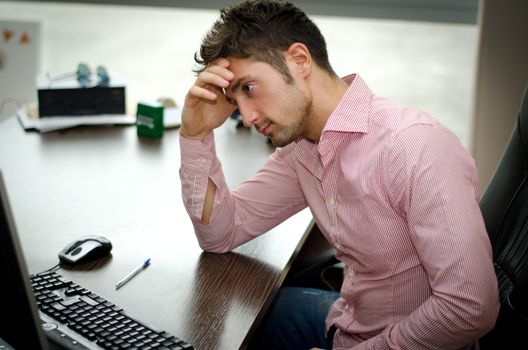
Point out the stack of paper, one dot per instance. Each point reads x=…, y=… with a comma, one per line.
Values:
x=171, y=119
x=64, y=122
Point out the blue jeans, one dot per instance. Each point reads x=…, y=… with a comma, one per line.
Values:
x=296, y=320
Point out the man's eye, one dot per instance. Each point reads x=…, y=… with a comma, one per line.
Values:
x=247, y=88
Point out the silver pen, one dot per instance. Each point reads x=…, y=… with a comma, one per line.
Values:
x=132, y=274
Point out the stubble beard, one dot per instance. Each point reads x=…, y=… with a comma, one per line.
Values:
x=301, y=113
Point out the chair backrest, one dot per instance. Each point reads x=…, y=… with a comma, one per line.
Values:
x=504, y=207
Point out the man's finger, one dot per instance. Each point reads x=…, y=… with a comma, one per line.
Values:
x=208, y=78
x=201, y=92
x=223, y=62
x=221, y=71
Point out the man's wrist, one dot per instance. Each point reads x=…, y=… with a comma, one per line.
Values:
x=197, y=137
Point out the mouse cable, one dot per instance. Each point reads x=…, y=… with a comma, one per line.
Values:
x=54, y=268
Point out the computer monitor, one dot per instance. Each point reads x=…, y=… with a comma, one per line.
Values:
x=20, y=326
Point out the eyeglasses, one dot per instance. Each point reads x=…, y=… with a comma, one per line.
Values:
x=84, y=76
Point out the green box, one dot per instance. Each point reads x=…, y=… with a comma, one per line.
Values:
x=149, y=119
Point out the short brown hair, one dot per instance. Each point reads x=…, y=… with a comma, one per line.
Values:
x=263, y=30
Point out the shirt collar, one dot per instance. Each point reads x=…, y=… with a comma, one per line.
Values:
x=351, y=114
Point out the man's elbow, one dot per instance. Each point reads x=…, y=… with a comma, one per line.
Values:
x=492, y=306
x=214, y=249
x=484, y=315
x=487, y=320
x=214, y=246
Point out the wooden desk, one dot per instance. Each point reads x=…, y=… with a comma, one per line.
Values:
x=106, y=180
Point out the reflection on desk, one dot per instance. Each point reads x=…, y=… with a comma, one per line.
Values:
x=106, y=180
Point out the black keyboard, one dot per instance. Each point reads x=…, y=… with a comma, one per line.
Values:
x=96, y=319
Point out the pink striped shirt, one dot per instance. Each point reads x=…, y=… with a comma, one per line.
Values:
x=397, y=195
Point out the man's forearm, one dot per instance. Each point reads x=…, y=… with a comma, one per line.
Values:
x=208, y=202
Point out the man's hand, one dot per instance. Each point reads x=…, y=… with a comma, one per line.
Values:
x=206, y=106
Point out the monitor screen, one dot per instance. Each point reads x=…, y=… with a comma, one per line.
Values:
x=19, y=323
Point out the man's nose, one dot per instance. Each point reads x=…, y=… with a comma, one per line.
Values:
x=249, y=116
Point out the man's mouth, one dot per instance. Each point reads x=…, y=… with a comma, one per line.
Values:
x=265, y=129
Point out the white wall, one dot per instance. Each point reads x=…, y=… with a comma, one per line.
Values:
x=502, y=73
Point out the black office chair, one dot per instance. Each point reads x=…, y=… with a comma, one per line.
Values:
x=504, y=207
x=316, y=265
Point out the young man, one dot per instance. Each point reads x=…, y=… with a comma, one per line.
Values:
x=391, y=189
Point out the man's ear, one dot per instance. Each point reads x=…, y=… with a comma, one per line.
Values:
x=299, y=58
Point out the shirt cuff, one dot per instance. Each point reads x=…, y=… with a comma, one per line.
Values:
x=197, y=156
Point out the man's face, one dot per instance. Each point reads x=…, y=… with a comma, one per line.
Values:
x=278, y=110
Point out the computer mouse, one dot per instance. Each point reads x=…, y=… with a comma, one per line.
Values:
x=84, y=249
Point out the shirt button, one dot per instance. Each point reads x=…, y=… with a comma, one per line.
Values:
x=202, y=160
x=339, y=246
x=351, y=274
x=349, y=309
x=331, y=201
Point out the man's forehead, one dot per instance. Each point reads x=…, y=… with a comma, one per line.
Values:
x=238, y=62
x=244, y=69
